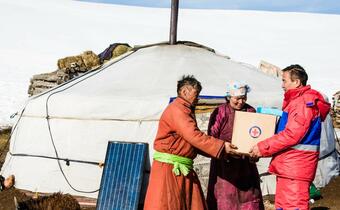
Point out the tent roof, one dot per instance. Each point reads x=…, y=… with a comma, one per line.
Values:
x=138, y=85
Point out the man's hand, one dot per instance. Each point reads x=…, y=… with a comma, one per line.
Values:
x=255, y=152
x=230, y=148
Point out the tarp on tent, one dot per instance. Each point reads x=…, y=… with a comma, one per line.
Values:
x=122, y=101
x=328, y=165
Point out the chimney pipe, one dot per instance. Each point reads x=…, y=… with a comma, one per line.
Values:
x=173, y=21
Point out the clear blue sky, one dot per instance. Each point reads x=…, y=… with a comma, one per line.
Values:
x=314, y=6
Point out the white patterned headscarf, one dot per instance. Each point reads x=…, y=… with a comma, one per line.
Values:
x=237, y=88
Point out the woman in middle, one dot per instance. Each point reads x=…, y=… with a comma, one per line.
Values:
x=234, y=182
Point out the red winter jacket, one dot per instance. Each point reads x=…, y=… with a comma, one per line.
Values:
x=295, y=149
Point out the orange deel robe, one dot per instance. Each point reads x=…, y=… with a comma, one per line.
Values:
x=178, y=134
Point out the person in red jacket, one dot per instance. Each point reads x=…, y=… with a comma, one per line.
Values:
x=295, y=148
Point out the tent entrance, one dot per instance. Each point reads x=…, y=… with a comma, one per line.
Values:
x=206, y=105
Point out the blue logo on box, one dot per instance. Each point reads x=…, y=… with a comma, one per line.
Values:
x=255, y=131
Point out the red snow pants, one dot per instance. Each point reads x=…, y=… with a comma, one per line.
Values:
x=291, y=194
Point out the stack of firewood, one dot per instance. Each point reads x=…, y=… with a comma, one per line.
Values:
x=270, y=69
x=68, y=68
x=336, y=110
x=74, y=66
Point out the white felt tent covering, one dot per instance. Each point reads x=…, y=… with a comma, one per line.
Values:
x=121, y=101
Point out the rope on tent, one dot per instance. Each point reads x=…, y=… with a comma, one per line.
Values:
x=100, y=164
x=47, y=118
x=10, y=135
x=327, y=155
x=49, y=126
x=335, y=150
x=36, y=96
x=94, y=119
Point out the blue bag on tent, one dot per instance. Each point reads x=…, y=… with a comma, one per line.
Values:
x=277, y=112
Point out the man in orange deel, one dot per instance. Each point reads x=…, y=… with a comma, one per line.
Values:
x=173, y=184
x=295, y=148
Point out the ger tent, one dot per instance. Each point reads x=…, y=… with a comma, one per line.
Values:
x=121, y=101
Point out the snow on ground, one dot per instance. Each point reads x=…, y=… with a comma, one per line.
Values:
x=34, y=34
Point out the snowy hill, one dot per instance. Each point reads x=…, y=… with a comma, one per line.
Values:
x=35, y=33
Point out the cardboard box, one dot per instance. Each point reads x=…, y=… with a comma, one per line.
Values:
x=250, y=128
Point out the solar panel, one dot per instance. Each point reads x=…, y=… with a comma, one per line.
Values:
x=122, y=176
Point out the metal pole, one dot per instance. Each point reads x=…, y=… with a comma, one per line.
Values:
x=173, y=21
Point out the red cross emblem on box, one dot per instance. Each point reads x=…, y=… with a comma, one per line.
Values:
x=255, y=131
